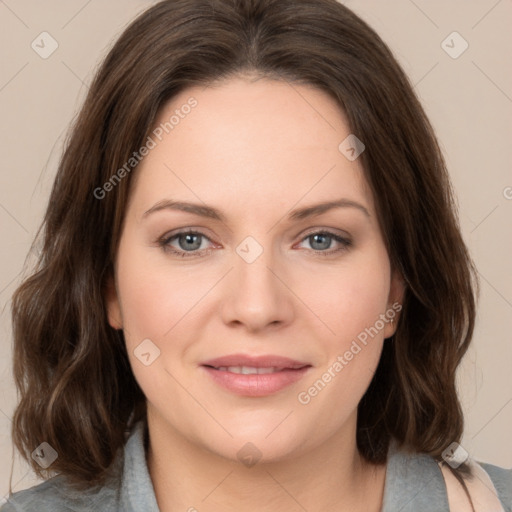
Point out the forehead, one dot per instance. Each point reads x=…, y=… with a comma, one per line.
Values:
x=247, y=143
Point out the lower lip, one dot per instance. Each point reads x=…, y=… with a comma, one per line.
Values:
x=256, y=384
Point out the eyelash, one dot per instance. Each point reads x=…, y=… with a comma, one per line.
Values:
x=165, y=240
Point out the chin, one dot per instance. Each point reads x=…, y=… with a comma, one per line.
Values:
x=268, y=440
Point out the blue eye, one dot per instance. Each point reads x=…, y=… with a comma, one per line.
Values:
x=189, y=243
x=323, y=240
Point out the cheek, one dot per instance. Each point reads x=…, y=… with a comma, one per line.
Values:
x=162, y=302
x=350, y=300
x=349, y=306
x=156, y=298
x=157, y=304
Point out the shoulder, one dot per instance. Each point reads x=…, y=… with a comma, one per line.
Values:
x=415, y=482
x=502, y=481
x=57, y=495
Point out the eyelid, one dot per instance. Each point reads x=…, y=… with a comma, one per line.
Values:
x=334, y=231
x=307, y=232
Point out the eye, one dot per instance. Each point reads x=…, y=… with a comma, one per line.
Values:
x=321, y=242
x=188, y=244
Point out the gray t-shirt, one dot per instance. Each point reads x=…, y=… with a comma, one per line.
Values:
x=414, y=483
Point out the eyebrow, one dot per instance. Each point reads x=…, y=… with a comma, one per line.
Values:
x=214, y=213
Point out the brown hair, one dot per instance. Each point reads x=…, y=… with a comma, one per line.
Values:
x=77, y=390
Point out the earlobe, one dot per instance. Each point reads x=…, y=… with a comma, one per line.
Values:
x=112, y=304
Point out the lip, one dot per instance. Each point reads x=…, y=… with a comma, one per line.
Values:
x=255, y=385
x=265, y=361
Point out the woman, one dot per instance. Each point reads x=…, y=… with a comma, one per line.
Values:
x=301, y=353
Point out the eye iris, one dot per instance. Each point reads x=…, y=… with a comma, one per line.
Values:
x=325, y=244
x=189, y=238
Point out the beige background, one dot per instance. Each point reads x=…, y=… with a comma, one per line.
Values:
x=468, y=99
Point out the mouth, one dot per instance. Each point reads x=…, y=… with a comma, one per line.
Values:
x=255, y=376
x=251, y=370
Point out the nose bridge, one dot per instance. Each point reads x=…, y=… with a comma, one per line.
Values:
x=252, y=267
x=256, y=297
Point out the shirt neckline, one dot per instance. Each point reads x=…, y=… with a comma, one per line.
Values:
x=412, y=480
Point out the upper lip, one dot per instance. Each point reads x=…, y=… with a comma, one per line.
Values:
x=266, y=361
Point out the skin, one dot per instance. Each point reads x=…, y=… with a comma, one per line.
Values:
x=254, y=150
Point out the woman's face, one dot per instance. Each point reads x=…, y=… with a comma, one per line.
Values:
x=265, y=277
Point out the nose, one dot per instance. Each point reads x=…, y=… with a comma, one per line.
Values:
x=256, y=293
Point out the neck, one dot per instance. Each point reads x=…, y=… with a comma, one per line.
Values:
x=332, y=477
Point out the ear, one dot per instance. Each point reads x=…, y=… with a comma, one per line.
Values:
x=112, y=304
x=395, y=301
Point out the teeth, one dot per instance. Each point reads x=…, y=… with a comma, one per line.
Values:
x=248, y=370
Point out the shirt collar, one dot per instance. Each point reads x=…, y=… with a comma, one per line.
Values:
x=412, y=479
x=137, y=492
